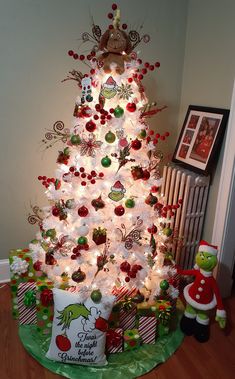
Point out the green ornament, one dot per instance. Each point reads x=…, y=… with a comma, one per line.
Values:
x=110, y=137
x=118, y=112
x=82, y=240
x=34, y=242
x=130, y=203
x=96, y=296
x=164, y=285
x=106, y=161
x=29, y=298
x=142, y=134
x=51, y=233
x=75, y=139
x=167, y=232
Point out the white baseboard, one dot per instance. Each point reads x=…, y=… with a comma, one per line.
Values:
x=4, y=271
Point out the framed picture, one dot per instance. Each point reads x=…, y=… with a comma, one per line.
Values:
x=201, y=137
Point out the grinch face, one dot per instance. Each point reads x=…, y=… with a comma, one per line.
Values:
x=206, y=261
x=116, y=42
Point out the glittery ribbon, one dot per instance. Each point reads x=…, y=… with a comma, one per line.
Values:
x=29, y=298
x=46, y=297
x=113, y=339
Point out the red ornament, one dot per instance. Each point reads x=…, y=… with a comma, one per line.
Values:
x=75, y=56
x=124, y=26
x=46, y=297
x=63, y=343
x=136, y=144
x=146, y=175
x=125, y=266
x=152, y=229
x=55, y=211
x=83, y=211
x=90, y=126
x=131, y=107
x=157, y=64
x=114, y=6
x=70, y=52
x=82, y=57
x=110, y=16
x=119, y=210
x=37, y=266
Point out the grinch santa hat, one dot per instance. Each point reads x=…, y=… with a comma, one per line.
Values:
x=205, y=247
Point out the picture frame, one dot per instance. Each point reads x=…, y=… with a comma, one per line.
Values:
x=200, y=139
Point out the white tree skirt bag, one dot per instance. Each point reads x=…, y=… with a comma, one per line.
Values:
x=79, y=329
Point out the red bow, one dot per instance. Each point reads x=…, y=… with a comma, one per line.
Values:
x=113, y=338
x=46, y=297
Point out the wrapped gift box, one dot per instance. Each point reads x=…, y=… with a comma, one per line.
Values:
x=23, y=258
x=26, y=296
x=131, y=339
x=123, y=292
x=127, y=319
x=114, y=341
x=147, y=329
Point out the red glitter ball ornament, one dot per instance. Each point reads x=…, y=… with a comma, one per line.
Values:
x=131, y=107
x=83, y=211
x=75, y=56
x=55, y=211
x=90, y=126
x=119, y=210
x=70, y=52
x=114, y=6
x=110, y=16
x=136, y=144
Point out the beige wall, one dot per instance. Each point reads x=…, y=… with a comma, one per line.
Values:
x=35, y=36
x=209, y=70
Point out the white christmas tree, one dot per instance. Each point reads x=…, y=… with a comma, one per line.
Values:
x=106, y=224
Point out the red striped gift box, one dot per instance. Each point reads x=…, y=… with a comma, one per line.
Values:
x=27, y=315
x=147, y=329
x=114, y=341
x=127, y=319
x=123, y=291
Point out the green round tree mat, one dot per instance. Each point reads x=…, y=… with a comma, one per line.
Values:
x=126, y=365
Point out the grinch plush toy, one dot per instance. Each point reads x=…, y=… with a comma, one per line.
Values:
x=116, y=46
x=202, y=295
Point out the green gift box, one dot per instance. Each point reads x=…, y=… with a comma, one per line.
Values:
x=131, y=339
x=26, y=273
x=164, y=315
x=44, y=305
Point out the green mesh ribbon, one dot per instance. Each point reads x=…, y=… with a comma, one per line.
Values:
x=29, y=298
x=126, y=365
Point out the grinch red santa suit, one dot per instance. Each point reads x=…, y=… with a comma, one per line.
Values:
x=202, y=295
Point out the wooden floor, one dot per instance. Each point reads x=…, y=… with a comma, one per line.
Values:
x=212, y=360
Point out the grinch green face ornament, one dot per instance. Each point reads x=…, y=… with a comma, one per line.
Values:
x=206, y=261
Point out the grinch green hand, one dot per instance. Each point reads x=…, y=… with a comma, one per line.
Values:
x=221, y=321
x=70, y=313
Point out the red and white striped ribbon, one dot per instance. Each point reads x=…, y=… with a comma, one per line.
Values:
x=147, y=329
x=27, y=315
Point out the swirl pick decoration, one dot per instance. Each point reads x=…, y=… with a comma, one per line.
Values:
x=36, y=217
x=58, y=133
x=133, y=236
